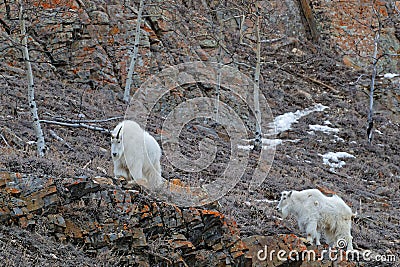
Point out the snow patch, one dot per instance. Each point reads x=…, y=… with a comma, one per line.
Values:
x=246, y=147
x=267, y=143
x=266, y=200
x=332, y=159
x=323, y=128
x=271, y=142
x=284, y=122
x=337, y=138
x=390, y=75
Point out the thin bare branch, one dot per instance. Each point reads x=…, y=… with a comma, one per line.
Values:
x=273, y=40
x=358, y=79
x=77, y=125
x=318, y=82
x=11, y=69
x=244, y=64
x=58, y=138
x=4, y=140
x=307, y=78
x=88, y=121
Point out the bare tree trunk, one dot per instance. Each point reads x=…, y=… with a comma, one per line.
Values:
x=31, y=86
x=308, y=15
x=373, y=76
x=258, y=134
x=219, y=58
x=134, y=55
x=218, y=87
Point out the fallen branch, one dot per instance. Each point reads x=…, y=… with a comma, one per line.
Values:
x=4, y=140
x=312, y=80
x=303, y=76
x=244, y=64
x=11, y=69
x=87, y=121
x=358, y=79
x=12, y=137
x=58, y=138
x=319, y=83
x=87, y=164
x=78, y=125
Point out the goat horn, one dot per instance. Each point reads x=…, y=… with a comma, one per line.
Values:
x=119, y=132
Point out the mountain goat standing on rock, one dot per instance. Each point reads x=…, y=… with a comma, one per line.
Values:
x=317, y=213
x=136, y=155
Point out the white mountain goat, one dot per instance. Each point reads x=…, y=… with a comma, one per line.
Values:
x=136, y=155
x=317, y=213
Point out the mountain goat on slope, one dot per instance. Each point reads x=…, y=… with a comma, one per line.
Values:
x=317, y=213
x=136, y=155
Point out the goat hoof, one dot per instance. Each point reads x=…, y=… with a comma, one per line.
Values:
x=308, y=242
x=131, y=185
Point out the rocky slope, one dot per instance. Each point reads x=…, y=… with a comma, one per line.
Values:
x=119, y=227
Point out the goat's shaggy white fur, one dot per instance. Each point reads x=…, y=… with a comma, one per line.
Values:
x=136, y=155
x=317, y=213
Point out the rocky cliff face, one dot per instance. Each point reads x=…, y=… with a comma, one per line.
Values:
x=351, y=27
x=90, y=42
x=123, y=226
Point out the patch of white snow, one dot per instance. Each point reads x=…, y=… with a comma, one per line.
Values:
x=390, y=75
x=284, y=122
x=323, y=128
x=266, y=200
x=332, y=159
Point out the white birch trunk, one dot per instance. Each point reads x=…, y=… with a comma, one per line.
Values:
x=258, y=133
x=31, y=86
x=372, y=88
x=218, y=87
x=128, y=83
x=373, y=76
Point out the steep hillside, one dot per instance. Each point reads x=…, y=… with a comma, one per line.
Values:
x=81, y=53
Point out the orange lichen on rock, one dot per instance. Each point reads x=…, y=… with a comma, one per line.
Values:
x=212, y=212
